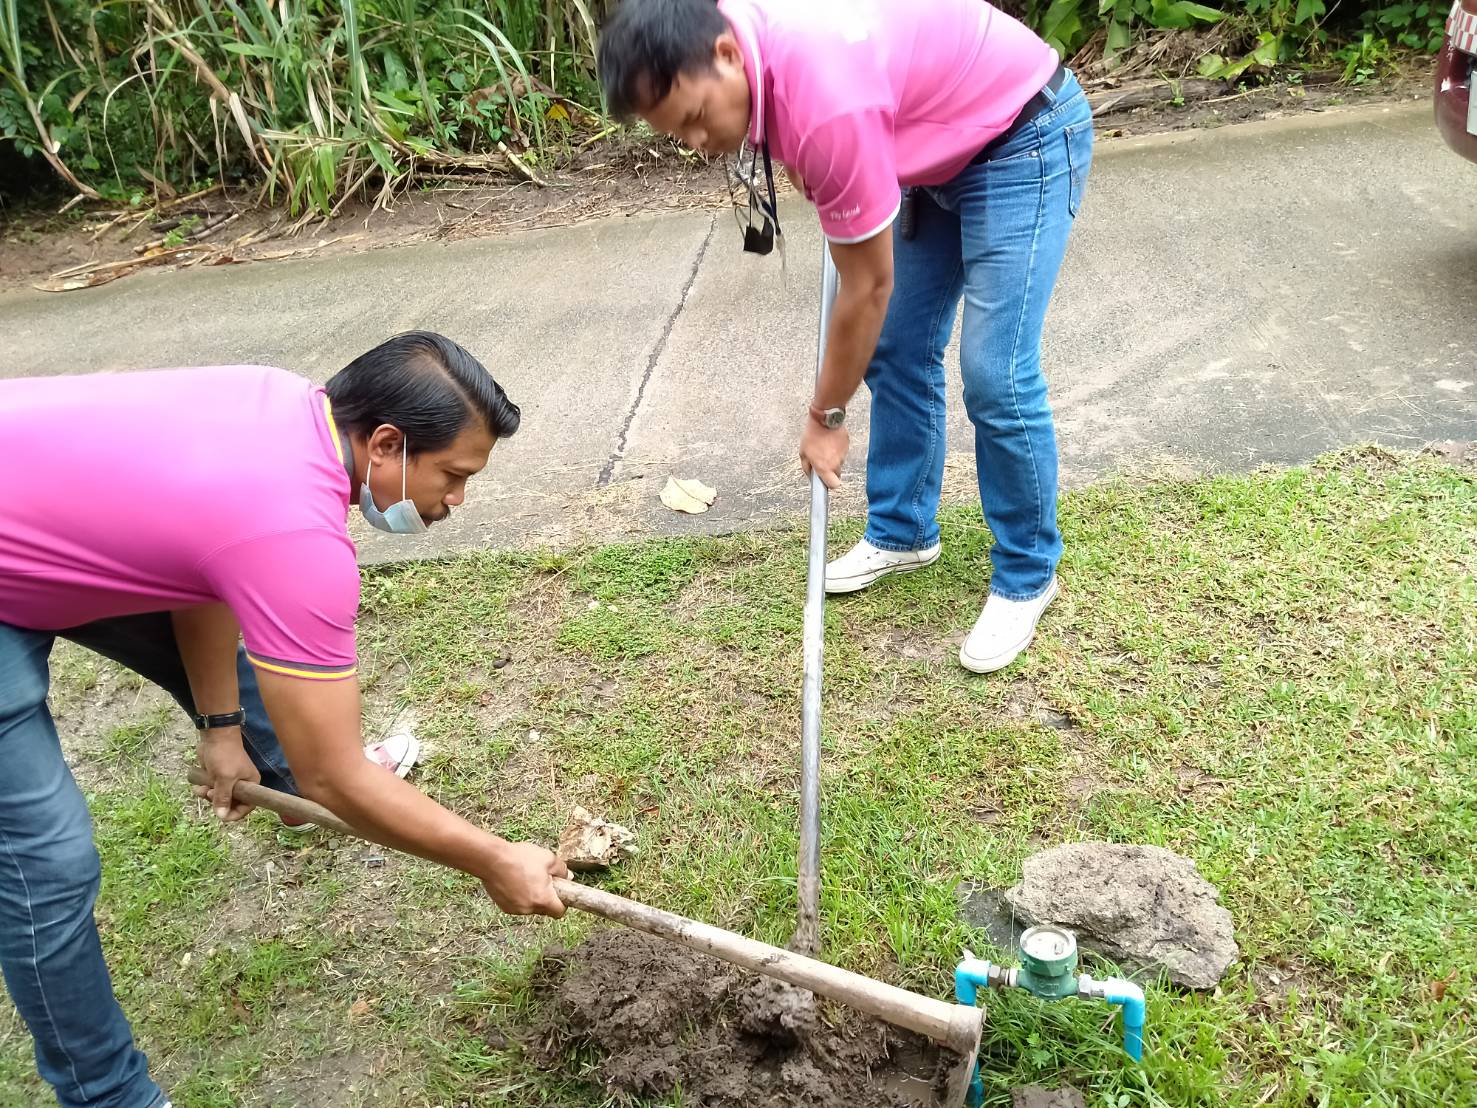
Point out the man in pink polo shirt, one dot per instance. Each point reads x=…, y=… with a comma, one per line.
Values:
x=161, y=518
x=992, y=138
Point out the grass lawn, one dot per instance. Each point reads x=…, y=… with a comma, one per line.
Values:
x=1273, y=674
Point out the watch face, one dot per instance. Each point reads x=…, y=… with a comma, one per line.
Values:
x=835, y=417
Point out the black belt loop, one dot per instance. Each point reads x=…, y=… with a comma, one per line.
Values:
x=907, y=214
x=1033, y=107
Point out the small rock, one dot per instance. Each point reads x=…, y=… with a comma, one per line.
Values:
x=1144, y=907
x=1035, y=1096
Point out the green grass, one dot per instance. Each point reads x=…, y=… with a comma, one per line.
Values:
x=129, y=740
x=1273, y=674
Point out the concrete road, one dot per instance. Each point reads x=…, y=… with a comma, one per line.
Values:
x=1255, y=294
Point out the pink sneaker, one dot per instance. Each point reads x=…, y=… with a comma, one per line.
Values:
x=398, y=754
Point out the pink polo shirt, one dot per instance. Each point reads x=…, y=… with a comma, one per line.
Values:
x=860, y=96
x=148, y=492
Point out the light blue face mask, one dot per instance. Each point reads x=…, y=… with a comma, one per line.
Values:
x=400, y=518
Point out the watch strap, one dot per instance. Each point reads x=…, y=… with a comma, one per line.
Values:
x=221, y=719
x=830, y=418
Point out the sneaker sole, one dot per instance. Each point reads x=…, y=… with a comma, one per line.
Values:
x=1000, y=661
x=857, y=584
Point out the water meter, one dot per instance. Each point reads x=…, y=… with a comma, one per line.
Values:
x=1048, y=962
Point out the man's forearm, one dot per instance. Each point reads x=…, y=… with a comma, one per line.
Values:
x=387, y=810
x=318, y=725
x=207, y=638
x=856, y=324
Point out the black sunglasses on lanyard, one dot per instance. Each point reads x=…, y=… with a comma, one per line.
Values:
x=757, y=214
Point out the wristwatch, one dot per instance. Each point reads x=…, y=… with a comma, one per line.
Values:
x=223, y=719
x=829, y=418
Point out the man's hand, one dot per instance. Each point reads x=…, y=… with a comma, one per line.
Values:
x=521, y=881
x=823, y=451
x=223, y=756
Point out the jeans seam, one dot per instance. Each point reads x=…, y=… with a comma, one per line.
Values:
x=891, y=549
x=1015, y=343
x=1058, y=102
x=36, y=964
x=1042, y=591
x=1057, y=111
x=933, y=435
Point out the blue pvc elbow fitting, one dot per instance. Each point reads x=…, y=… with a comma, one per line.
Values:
x=1133, y=1024
x=1128, y=996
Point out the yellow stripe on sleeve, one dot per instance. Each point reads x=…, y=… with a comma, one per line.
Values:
x=307, y=674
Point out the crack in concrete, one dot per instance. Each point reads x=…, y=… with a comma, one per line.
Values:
x=608, y=470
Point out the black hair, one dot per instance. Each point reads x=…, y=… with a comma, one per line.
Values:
x=647, y=44
x=424, y=384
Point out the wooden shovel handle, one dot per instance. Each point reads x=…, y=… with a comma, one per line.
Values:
x=953, y=1025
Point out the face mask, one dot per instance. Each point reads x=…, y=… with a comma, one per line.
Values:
x=760, y=221
x=400, y=518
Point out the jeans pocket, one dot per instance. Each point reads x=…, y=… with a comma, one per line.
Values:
x=1078, y=138
x=1008, y=153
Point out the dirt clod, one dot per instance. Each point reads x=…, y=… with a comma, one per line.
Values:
x=662, y=1018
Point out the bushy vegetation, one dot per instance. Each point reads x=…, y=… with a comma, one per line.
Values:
x=316, y=100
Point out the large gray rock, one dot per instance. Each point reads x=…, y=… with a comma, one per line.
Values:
x=1144, y=907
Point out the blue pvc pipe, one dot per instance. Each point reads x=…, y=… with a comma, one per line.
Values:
x=967, y=984
x=1133, y=1022
x=971, y=976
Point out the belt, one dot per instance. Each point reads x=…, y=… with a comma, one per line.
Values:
x=1034, y=107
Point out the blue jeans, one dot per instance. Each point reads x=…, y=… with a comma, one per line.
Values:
x=995, y=235
x=49, y=868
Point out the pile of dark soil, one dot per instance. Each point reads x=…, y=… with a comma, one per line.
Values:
x=661, y=1018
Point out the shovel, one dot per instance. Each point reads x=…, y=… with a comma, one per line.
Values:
x=955, y=1026
x=807, y=938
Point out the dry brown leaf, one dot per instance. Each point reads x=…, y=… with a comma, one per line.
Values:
x=83, y=281
x=690, y=496
x=275, y=255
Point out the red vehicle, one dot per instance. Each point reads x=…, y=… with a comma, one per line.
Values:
x=1456, y=107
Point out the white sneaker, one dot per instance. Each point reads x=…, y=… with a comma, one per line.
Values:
x=1004, y=629
x=864, y=563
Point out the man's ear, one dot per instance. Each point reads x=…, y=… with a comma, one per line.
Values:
x=726, y=51
x=385, y=443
